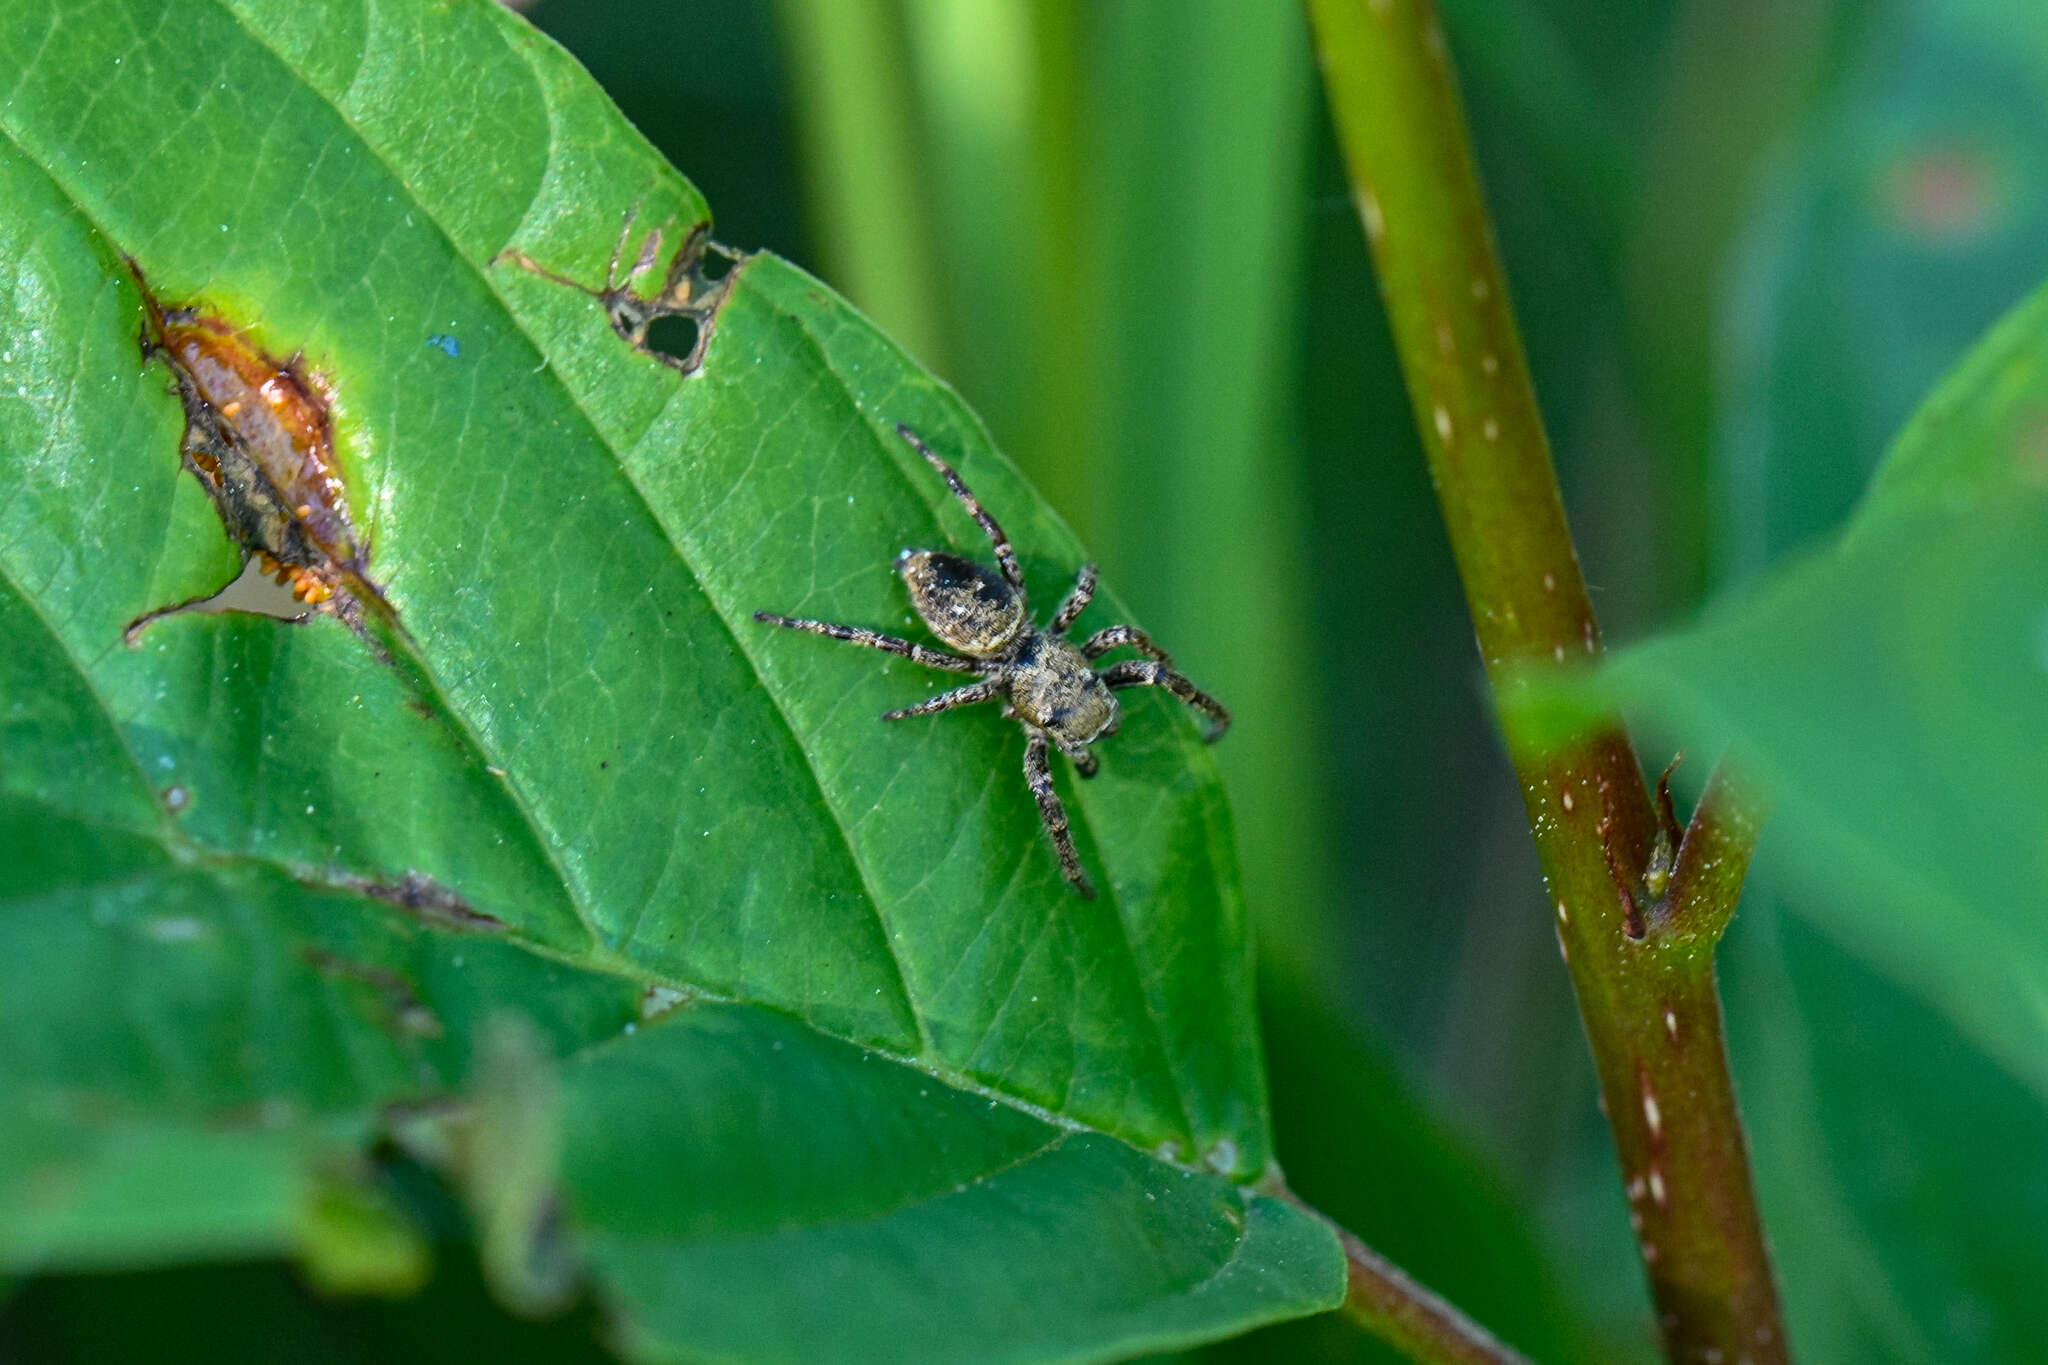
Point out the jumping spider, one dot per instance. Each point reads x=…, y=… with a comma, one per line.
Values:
x=1046, y=683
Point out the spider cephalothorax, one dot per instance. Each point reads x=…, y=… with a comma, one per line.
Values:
x=1046, y=682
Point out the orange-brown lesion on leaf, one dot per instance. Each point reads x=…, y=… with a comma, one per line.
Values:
x=259, y=437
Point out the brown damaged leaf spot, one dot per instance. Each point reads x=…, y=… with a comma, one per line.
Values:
x=699, y=278
x=408, y=1013
x=426, y=900
x=259, y=437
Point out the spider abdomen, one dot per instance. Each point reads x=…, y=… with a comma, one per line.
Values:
x=966, y=604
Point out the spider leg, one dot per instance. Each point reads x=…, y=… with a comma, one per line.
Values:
x=1077, y=601
x=1005, y=556
x=861, y=635
x=1109, y=637
x=1052, y=813
x=1085, y=761
x=945, y=701
x=1155, y=673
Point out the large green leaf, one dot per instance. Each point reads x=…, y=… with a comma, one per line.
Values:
x=917, y=1090
x=1893, y=692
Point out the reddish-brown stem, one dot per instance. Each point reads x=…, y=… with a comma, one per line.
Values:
x=1381, y=1299
x=1641, y=962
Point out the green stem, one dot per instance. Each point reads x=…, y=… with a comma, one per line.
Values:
x=1646, y=993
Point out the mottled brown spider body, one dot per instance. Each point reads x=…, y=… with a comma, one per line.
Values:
x=1046, y=682
x=966, y=605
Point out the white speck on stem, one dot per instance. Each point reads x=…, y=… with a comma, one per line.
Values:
x=1657, y=1191
x=1481, y=290
x=1490, y=429
x=1653, y=1113
x=1564, y=916
x=1671, y=1023
x=1490, y=363
x=1567, y=801
x=1443, y=423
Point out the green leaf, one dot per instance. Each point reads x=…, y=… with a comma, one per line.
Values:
x=1893, y=692
x=276, y=897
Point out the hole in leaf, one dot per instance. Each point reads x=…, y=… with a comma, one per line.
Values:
x=672, y=337
x=684, y=309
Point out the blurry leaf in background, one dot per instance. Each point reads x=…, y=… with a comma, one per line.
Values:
x=897, y=1061
x=1900, y=1166
x=1909, y=215
x=1903, y=220
x=1892, y=692
x=1734, y=82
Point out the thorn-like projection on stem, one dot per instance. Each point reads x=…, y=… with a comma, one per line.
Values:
x=1664, y=849
x=1695, y=871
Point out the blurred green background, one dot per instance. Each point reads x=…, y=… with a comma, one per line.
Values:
x=1744, y=237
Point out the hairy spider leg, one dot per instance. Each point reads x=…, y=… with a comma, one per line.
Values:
x=1155, y=673
x=1077, y=601
x=1005, y=556
x=986, y=690
x=1038, y=773
x=1109, y=637
x=861, y=635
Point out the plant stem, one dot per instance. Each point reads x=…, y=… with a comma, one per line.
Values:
x=1713, y=858
x=1380, y=1298
x=1645, y=988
